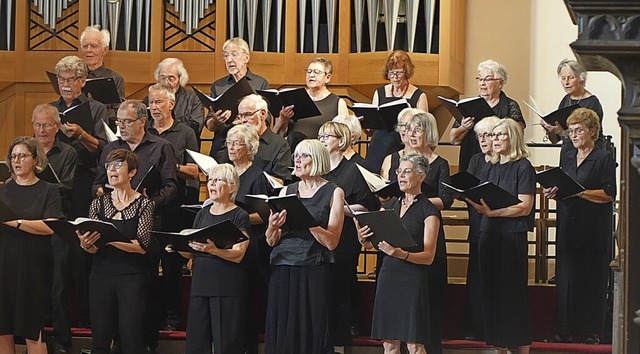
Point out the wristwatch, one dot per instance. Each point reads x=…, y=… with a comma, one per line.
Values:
x=178, y=167
x=18, y=223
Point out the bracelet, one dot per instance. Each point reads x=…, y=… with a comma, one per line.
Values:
x=406, y=257
x=362, y=241
x=81, y=135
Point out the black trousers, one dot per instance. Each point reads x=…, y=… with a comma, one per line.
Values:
x=60, y=291
x=344, y=275
x=117, y=305
x=219, y=322
x=473, y=325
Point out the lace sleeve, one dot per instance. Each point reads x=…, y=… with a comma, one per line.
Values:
x=94, y=208
x=145, y=222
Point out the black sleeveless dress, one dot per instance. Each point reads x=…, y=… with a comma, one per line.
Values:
x=299, y=294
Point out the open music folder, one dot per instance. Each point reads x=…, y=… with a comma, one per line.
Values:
x=475, y=107
x=494, y=196
x=384, y=116
x=386, y=226
x=223, y=234
x=228, y=101
x=298, y=217
x=559, y=115
x=79, y=114
x=304, y=107
x=556, y=177
x=66, y=229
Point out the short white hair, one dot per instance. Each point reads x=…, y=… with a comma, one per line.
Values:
x=106, y=35
x=169, y=62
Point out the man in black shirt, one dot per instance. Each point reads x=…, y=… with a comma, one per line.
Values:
x=274, y=154
x=87, y=141
x=181, y=137
x=63, y=159
x=188, y=108
x=94, y=43
x=151, y=150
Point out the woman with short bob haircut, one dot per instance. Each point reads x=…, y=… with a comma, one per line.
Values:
x=301, y=260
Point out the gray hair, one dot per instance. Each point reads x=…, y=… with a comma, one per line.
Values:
x=426, y=121
x=228, y=173
x=46, y=109
x=169, y=62
x=238, y=42
x=106, y=35
x=577, y=69
x=166, y=89
x=353, y=123
x=419, y=161
x=259, y=101
x=497, y=70
x=139, y=108
x=73, y=63
x=249, y=134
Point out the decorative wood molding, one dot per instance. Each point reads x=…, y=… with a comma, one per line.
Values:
x=53, y=26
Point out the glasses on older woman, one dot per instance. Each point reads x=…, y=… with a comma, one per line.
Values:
x=499, y=136
x=405, y=171
x=113, y=165
x=487, y=79
x=577, y=131
x=216, y=180
x=300, y=155
x=395, y=73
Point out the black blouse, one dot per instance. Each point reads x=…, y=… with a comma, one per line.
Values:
x=581, y=223
x=477, y=165
x=214, y=276
x=516, y=177
x=438, y=173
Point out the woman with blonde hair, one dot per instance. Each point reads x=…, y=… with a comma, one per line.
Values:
x=301, y=260
x=503, y=245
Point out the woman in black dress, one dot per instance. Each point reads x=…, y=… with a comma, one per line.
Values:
x=317, y=74
x=401, y=311
x=421, y=133
x=119, y=278
x=220, y=279
x=474, y=328
x=573, y=78
x=491, y=78
x=242, y=145
x=398, y=70
x=25, y=247
x=336, y=137
x=584, y=233
x=299, y=294
x=503, y=241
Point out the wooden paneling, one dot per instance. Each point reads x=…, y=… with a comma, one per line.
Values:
x=355, y=74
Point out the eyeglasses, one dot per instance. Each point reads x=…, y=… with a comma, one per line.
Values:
x=113, y=165
x=67, y=80
x=232, y=55
x=300, y=155
x=126, y=122
x=483, y=136
x=395, y=73
x=169, y=78
x=46, y=126
x=216, y=180
x=19, y=157
x=499, y=136
x=247, y=115
x=234, y=143
x=326, y=136
x=315, y=72
x=487, y=78
x=577, y=131
x=401, y=126
x=405, y=171
x=416, y=131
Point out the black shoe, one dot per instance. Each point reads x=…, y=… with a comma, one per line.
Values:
x=552, y=280
x=150, y=350
x=85, y=351
x=557, y=339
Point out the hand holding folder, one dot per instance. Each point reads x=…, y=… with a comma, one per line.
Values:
x=66, y=229
x=557, y=177
x=494, y=196
x=298, y=217
x=223, y=234
x=386, y=226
